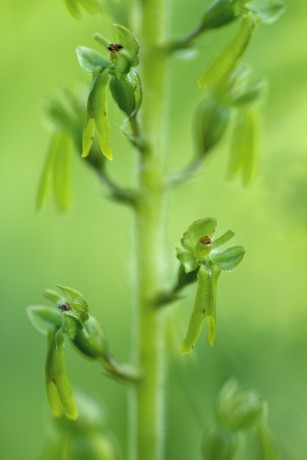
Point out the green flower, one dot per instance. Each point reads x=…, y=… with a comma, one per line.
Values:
x=203, y=254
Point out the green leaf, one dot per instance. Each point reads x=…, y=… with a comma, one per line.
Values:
x=250, y=139
x=59, y=393
x=212, y=119
x=60, y=113
x=52, y=295
x=200, y=310
x=73, y=8
x=266, y=11
x=211, y=330
x=218, y=242
x=62, y=172
x=129, y=41
x=214, y=273
x=187, y=261
x=239, y=147
x=97, y=109
x=266, y=445
x=72, y=294
x=71, y=324
x=44, y=318
x=90, y=59
x=229, y=259
x=197, y=230
x=213, y=277
x=220, y=13
x=219, y=444
x=252, y=94
x=102, y=40
x=245, y=148
x=77, y=302
x=47, y=174
x=91, y=6
x=88, y=135
x=229, y=57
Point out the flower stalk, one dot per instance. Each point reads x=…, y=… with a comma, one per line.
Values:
x=149, y=229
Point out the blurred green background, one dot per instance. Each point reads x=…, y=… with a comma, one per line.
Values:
x=262, y=319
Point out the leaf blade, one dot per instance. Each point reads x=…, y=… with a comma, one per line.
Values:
x=47, y=173
x=199, y=312
x=73, y=8
x=88, y=135
x=44, y=318
x=229, y=57
x=97, y=109
x=267, y=11
x=59, y=392
x=227, y=236
x=89, y=59
x=229, y=259
x=245, y=146
x=129, y=41
x=62, y=172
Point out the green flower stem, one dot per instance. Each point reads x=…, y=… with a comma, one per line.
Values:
x=184, y=42
x=173, y=294
x=117, y=192
x=187, y=173
x=147, y=401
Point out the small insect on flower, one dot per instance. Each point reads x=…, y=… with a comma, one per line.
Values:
x=64, y=306
x=205, y=240
x=115, y=47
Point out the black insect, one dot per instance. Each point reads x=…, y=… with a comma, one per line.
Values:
x=115, y=47
x=205, y=240
x=64, y=306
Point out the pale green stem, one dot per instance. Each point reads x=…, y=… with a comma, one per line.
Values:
x=148, y=393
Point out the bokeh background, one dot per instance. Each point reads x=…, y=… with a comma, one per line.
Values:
x=262, y=306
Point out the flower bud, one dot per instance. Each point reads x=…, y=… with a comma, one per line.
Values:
x=91, y=447
x=239, y=410
x=220, y=13
x=212, y=120
x=219, y=444
x=266, y=445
